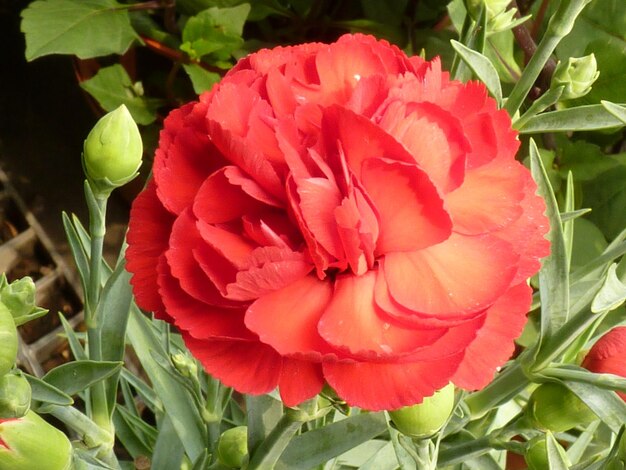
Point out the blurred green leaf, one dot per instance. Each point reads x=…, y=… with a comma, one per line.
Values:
x=74, y=377
x=606, y=196
x=391, y=13
x=611, y=295
x=82, y=28
x=482, y=67
x=576, y=451
x=215, y=31
x=201, y=79
x=168, y=450
x=112, y=86
x=263, y=413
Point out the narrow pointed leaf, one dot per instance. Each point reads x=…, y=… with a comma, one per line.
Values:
x=612, y=294
x=581, y=118
x=554, y=275
x=46, y=393
x=482, y=68
x=320, y=445
x=609, y=407
x=557, y=460
x=74, y=377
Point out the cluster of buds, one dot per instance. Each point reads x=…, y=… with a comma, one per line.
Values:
x=575, y=75
x=26, y=440
x=499, y=16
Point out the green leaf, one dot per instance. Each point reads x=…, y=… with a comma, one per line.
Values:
x=77, y=349
x=46, y=393
x=201, y=79
x=611, y=295
x=542, y=103
x=384, y=459
x=112, y=87
x=554, y=275
x=616, y=110
x=113, y=310
x=215, y=31
x=320, y=445
x=263, y=413
x=128, y=435
x=78, y=251
x=177, y=401
x=74, y=377
x=557, y=460
x=576, y=451
x=606, y=196
x=82, y=28
x=609, y=407
x=168, y=450
x=581, y=118
x=482, y=68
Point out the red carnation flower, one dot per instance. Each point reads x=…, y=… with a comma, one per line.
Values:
x=608, y=355
x=340, y=213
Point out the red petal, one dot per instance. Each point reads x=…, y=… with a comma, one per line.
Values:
x=359, y=139
x=184, y=159
x=494, y=342
x=269, y=275
x=202, y=321
x=287, y=319
x=460, y=276
x=489, y=198
x=184, y=240
x=527, y=234
x=352, y=322
x=148, y=236
x=231, y=246
x=433, y=137
x=319, y=198
x=387, y=386
x=247, y=366
x=410, y=211
x=218, y=200
x=299, y=381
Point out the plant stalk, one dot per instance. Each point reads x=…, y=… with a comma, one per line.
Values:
x=559, y=26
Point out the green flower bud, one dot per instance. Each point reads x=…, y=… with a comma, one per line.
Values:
x=8, y=340
x=30, y=443
x=425, y=419
x=112, y=152
x=537, y=454
x=576, y=75
x=554, y=407
x=185, y=365
x=232, y=447
x=499, y=17
x=14, y=396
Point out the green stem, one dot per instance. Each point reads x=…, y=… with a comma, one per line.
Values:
x=273, y=446
x=97, y=228
x=504, y=387
x=426, y=457
x=462, y=452
x=559, y=26
x=91, y=434
x=607, y=381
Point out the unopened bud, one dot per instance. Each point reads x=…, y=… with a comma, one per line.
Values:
x=554, y=407
x=185, y=365
x=29, y=443
x=537, y=454
x=232, y=447
x=425, y=419
x=15, y=396
x=8, y=340
x=19, y=298
x=576, y=75
x=112, y=151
